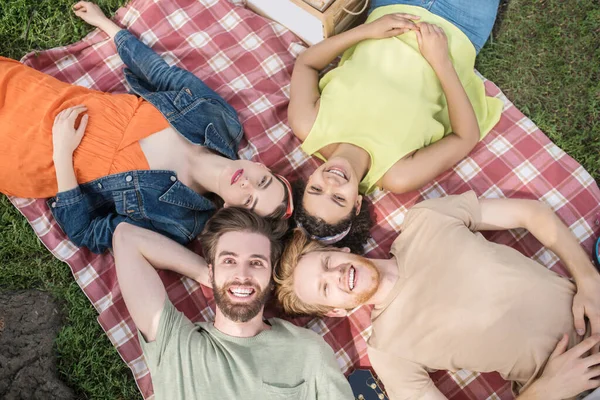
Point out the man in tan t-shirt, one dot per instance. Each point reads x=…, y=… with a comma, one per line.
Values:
x=449, y=299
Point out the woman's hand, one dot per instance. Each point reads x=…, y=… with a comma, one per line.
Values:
x=90, y=13
x=391, y=25
x=65, y=138
x=433, y=44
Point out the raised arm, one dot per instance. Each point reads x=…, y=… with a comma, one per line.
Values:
x=543, y=223
x=138, y=253
x=425, y=164
x=304, y=90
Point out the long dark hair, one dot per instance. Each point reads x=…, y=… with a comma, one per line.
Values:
x=355, y=240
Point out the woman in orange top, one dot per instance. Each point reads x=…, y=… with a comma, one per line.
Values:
x=110, y=158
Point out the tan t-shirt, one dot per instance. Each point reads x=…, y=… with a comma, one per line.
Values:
x=462, y=302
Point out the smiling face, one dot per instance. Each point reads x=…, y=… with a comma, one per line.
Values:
x=336, y=279
x=241, y=274
x=251, y=185
x=332, y=191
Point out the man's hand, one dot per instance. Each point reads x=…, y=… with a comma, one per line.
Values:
x=65, y=138
x=433, y=45
x=391, y=25
x=586, y=303
x=567, y=373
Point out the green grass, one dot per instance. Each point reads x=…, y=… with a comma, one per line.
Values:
x=544, y=54
x=86, y=359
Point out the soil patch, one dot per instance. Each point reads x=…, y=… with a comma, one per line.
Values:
x=29, y=322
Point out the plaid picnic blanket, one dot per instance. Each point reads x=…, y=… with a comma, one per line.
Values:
x=249, y=60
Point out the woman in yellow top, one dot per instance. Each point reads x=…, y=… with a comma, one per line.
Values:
x=403, y=106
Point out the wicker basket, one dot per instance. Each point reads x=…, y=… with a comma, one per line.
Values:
x=339, y=16
x=307, y=21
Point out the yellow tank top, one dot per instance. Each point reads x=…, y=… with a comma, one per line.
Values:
x=385, y=98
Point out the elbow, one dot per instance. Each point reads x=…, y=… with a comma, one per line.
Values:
x=544, y=220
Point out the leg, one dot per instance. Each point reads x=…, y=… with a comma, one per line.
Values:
x=475, y=18
x=147, y=65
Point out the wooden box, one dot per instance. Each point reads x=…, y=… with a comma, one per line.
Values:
x=309, y=23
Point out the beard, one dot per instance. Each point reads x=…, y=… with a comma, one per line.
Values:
x=364, y=296
x=239, y=312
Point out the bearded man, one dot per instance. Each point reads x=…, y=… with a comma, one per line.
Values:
x=448, y=299
x=240, y=355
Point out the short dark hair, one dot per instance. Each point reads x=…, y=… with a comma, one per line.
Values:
x=237, y=219
x=359, y=233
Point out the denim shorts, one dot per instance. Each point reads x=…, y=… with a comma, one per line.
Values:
x=474, y=17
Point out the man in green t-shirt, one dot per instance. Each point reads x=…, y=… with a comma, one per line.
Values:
x=240, y=355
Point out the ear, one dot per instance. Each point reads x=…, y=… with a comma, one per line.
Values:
x=358, y=204
x=345, y=249
x=225, y=205
x=337, y=313
x=210, y=272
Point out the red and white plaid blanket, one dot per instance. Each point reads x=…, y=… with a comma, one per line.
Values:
x=249, y=60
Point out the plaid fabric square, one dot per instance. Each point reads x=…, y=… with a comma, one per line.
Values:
x=219, y=62
x=178, y=19
x=248, y=60
x=198, y=39
x=149, y=38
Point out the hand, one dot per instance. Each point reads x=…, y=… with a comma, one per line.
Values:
x=586, y=303
x=568, y=373
x=391, y=25
x=90, y=13
x=433, y=44
x=65, y=138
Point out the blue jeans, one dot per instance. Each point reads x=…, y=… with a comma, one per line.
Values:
x=474, y=17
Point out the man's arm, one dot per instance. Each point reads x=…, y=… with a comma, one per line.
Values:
x=138, y=253
x=567, y=373
x=540, y=220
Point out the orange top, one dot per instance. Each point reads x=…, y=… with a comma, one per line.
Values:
x=29, y=102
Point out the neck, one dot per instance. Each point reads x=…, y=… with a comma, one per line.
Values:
x=359, y=159
x=388, y=276
x=240, y=329
x=206, y=168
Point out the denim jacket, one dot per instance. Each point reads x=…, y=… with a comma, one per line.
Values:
x=156, y=200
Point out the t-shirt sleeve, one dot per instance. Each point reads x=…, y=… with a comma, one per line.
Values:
x=403, y=379
x=464, y=208
x=172, y=326
x=331, y=383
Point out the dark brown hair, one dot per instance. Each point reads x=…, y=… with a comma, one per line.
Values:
x=237, y=219
x=355, y=240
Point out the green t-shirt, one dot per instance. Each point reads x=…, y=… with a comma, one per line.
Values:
x=197, y=361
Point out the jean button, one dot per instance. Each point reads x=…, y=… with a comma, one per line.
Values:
x=53, y=204
x=99, y=186
x=128, y=178
x=173, y=178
